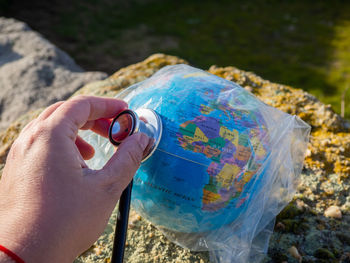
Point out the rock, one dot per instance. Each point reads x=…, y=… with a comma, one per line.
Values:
x=324, y=182
x=295, y=253
x=33, y=72
x=333, y=211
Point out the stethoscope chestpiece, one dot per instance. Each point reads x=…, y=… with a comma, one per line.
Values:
x=129, y=122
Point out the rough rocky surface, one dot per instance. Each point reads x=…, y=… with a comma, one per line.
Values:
x=33, y=72
x=302, y=232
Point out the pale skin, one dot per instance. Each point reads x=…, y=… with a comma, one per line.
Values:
x=52, y=206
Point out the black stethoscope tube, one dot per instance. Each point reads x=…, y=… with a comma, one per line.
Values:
x=121, y=226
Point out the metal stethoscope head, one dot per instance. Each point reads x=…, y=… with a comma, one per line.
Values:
x=129, y=122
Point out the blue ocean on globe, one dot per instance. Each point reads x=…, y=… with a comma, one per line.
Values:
x=211, y=159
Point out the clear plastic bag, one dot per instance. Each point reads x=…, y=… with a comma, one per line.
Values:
x=226, y=165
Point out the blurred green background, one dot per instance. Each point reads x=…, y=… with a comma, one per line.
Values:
x=305, y=44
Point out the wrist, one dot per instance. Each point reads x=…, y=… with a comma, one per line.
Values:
x=10, y=251
x=29, y=246
x=16, y=236
x=9, y=239
x=8, y=256
x=31, y=242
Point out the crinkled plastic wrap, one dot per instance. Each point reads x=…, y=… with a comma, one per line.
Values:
x=226, y=164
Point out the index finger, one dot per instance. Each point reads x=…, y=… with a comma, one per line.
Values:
x=81, y=109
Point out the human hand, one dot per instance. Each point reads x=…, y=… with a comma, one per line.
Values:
x=52, y=206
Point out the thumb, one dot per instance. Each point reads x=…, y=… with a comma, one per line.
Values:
x=120, y=169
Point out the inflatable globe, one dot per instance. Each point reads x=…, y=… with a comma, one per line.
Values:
x=211, y=159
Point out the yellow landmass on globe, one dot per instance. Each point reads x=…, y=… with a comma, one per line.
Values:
x=227, y=174
x=258, y=147
x=247, y=176
x=229, y=135
x=200, y=136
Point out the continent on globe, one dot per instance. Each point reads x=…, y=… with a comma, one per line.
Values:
x=229, y=151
